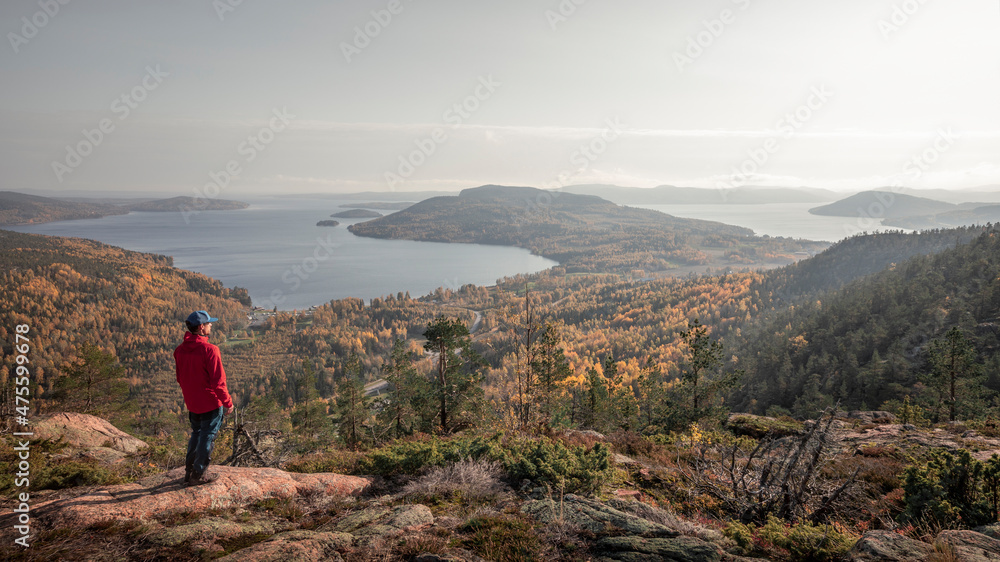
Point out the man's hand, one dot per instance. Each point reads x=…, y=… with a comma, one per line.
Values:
x=228, y=411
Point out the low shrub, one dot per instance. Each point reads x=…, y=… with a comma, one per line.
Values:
x=341, y=461
x=758, y=427
x=416, y=455
x=573, y=469
x=69, y=474
x=952, y=490
x=803, y=541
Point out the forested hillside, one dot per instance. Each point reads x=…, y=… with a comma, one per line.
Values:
x=873, y=341
x=857, y=257
x=73, y=292
x=19, y=208
x=131, y=305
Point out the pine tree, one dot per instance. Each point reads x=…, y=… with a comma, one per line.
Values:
x=551, y=367
x=94, y=384
x=650, y=393
x=525, y=329
x=352, y=406
x=704, y=357
x=407, y=392
x=953, y=364
x=596, y=406
x=309, y=416
x=701, y=380
x=458, y=370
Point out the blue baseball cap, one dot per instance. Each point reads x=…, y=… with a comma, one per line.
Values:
x=199, y=317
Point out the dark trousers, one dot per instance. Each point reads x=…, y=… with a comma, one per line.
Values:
x=204, y=428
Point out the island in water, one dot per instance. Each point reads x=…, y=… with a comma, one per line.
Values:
x=585, y=233
x=327, y=223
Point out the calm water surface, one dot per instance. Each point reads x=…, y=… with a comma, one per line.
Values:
x=277, y=252
x=790, y=220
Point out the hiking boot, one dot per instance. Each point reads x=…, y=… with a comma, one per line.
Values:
x=199, y=480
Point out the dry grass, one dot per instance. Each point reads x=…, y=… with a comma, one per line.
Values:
x=415, y=545
x=943, y=552
x=472, y=480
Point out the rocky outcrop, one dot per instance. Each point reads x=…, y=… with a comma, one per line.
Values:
x=164, y=493
x=305, y=546
x=625, y=528
x=872, y=416
x=593, y=516
x=641, y=549
x=380, y=523
x=205, y=534
x=970, y=546
x=904, y=436
x=962, y=546
x=888, y=546
x=88, y=436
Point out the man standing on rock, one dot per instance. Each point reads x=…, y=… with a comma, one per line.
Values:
x=203, y=383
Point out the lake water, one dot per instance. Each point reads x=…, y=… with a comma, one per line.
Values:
x=790, y=220
x=274, y=249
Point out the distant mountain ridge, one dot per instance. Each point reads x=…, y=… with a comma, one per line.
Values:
x=673, y=195
x=20, y=208
x=186, y=203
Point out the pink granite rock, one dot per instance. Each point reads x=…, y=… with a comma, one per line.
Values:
x=83, y=431
x=165, y=493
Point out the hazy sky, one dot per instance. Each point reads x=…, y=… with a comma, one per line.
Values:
x=446, y=94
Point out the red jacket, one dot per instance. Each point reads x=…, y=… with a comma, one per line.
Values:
x=201, y=376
